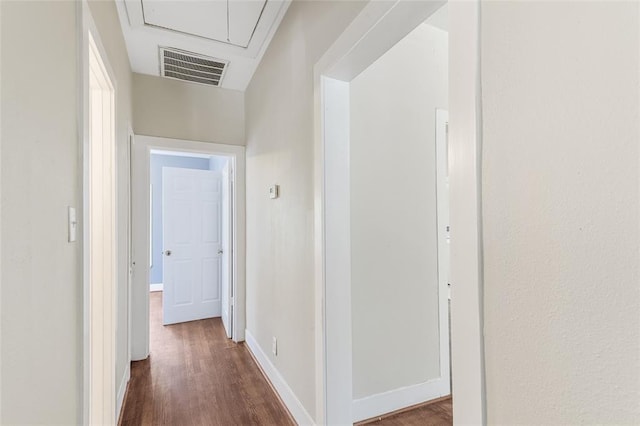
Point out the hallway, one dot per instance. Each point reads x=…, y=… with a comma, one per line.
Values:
x=196, y=376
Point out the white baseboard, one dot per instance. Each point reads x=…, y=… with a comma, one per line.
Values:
x=297, y=410
x=387, y=402
x=122, y=390
x=156, y=287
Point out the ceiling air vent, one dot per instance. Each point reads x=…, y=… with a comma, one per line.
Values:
x=187, y=66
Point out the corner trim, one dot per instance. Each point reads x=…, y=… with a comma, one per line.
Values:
x=288, y=397
x=386, y=402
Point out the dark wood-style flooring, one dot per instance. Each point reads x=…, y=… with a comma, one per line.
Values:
x=437, y=413
x=196, y=376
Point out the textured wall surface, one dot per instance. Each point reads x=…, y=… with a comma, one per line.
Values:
x=41, y=292
x=280, y=126
x=41, y=176
x=175, y=109
x=561, y=207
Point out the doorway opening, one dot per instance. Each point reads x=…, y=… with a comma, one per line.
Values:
x=190, y=230
x=391, y=185
x=188, y=236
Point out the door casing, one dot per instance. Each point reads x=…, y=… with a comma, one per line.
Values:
x=99, y=301
x=142, y=147
x=378, y=27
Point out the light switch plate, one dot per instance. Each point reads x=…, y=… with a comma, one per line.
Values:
x=73, y=225
x=274, y=191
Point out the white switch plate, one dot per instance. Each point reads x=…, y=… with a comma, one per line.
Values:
x=274, y=346
x=274, y=191
x=73, y=224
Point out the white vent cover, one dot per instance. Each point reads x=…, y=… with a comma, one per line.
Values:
x=187, y=66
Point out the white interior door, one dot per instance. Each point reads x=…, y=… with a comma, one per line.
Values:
x=191, y=203
x=444, y=290
x=442, y=160
x=227, y=270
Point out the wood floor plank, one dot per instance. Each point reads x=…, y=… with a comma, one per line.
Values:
x=196, y=376
x=438, y=413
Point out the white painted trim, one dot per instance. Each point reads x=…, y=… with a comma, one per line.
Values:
x=293, y=404
x=387, y=402
x=265, y=29
x=337, y=257
x=130, y=137
x=143, y=145
x=379, y=26
x=465, y=147
x=101, y=237
x=156, y=287
x=88, y=28
x=122, y=390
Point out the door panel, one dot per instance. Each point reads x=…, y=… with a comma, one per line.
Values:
x=210, y=275
x=191, y=202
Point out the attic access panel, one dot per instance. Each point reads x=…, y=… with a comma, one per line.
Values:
x=232, y=22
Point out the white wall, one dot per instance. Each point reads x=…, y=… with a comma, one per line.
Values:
x=279, y=113
x=41, y=292
x=394, y=255
x=42, y=175
x=175, y=109
x=560, y=206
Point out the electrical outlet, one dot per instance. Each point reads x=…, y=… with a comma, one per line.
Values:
x=274, y=346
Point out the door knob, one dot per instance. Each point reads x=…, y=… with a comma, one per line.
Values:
x=220, y=251
x=168, y=252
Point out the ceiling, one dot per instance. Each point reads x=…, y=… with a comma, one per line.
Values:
x=234, y=31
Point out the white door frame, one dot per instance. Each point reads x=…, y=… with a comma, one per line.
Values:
x=140, y=227
x=130, y=141
x=89, y=38
x=377, y=28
